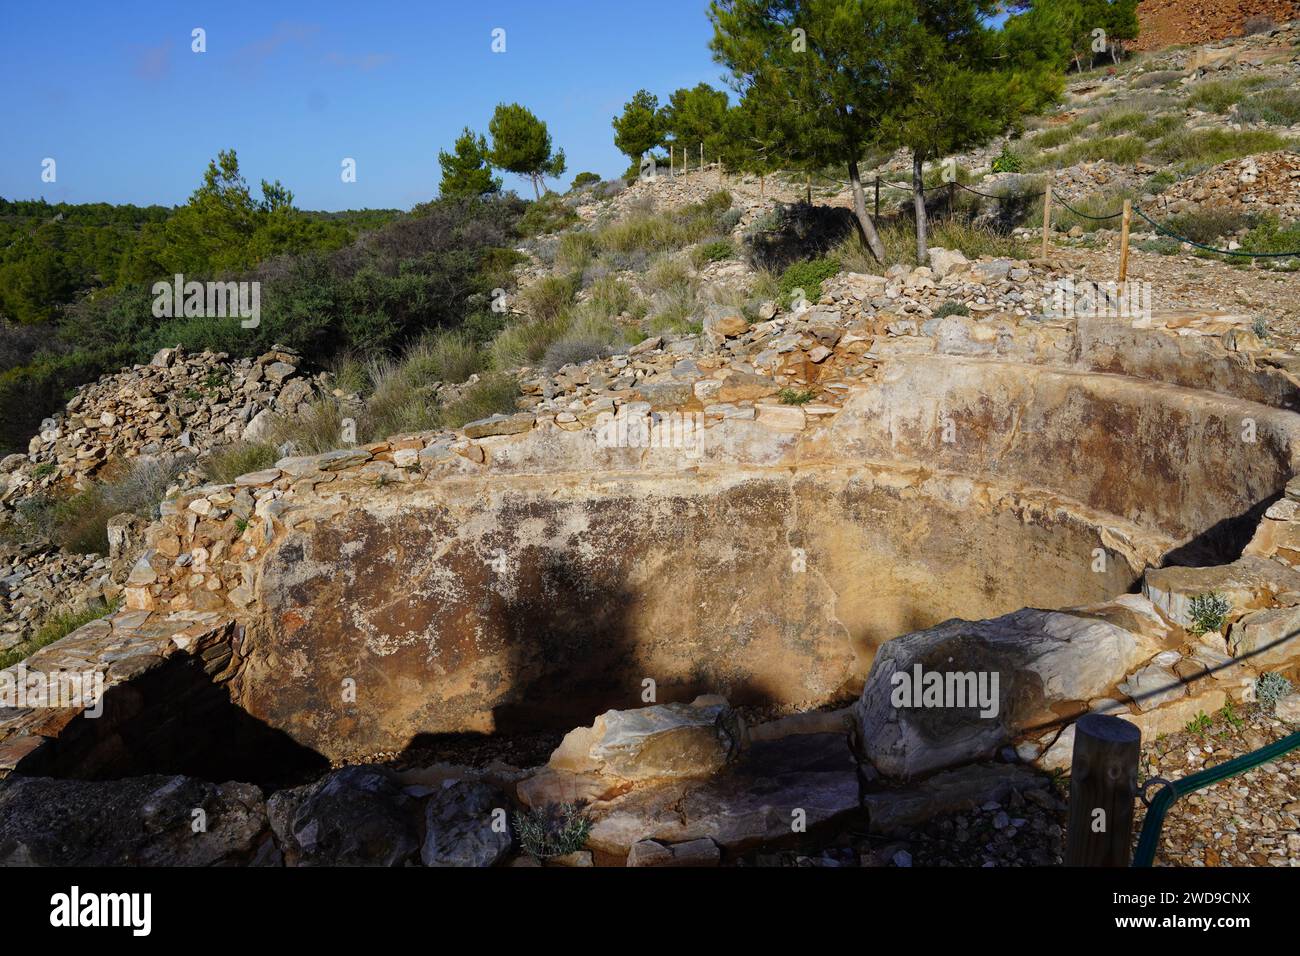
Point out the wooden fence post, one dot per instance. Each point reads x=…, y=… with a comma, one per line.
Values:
x=672, y=172
x=810, y=189
x=1123, y=241
x=1047, y=218
x=1103, y=785
x=701, y=157
x=877, y=216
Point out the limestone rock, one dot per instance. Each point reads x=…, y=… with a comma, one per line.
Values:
x=1028, y=661
x=660, y=741
x=462, y=823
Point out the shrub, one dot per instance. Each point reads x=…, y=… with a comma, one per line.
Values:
x=549, y=297
x=574, y=349
x=1208, y=612
x=1218, y=96
x=714, y=251
x=314, y=431
x=1209, y=147
x=546, y=215
x=1269, y=689
x=1008, y=161
x=494, y=393
x=79, y=523
x=574, y=251
x=524, y=343
x=228, y=462
x=808, y=276
x=449, y=355
x=609, y=296
x=1279, y=107
x=1205, y=224
x=583, y=179
x=790, y=396
x=553, y=830
x=951, y=308
x=1271, y=236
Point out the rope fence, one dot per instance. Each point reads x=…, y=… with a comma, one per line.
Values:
x=1160, y=228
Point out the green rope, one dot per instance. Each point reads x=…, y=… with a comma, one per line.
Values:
x=1222, y=252
x=1155, y=818
x=1084, y=214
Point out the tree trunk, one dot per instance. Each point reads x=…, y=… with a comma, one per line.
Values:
x=537, y=193
x=918, y=200
x=868, y=227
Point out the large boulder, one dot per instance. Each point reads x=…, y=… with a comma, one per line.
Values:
x=959, y=691
x=139, y=821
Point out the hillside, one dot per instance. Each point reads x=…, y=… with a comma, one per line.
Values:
x=1169, y=22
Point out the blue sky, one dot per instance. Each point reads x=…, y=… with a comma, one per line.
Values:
x=113, y=93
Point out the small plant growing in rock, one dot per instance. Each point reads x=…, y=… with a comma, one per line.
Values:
x=1260, y=328
x=951, y=308
x=1209, y=612
x=1269, y=689
x=1198, y=724
x=790, y=396
x=44, y=469
x=1008, y=161
x=1230, y=716
x=554, y=829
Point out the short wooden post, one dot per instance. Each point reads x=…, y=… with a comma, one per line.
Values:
x=701, y=157
x=1047, y=219
x=810, y=189
x=762, y=185
x=877, y=216
x=1103, y=785
x=1123, y=241
x=671, y=170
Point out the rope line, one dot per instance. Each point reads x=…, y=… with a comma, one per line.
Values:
x=1084, y=214
x=1164, y=230
x=1222, y=252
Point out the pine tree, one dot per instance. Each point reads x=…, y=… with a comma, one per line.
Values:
x=966, y=81
x=466, y=171
x=816, y=76
x=639, y=128
x=521, y=144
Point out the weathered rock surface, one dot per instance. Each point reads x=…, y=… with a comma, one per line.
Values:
x=357, y=816
x=1008, y=674
x=139, y=821
x=466, y=824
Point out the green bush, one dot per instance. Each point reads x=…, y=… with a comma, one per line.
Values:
x=1208, y=612
x=555, y=829
x=583, y=179
x=1008, y=161
x=1194, y=149
x=790, y=396
x=549, y=297
x=1269, y=689
x=1271, y=236
x=547, y=215
x=951, y=308
x=1208, y=223
x=1279, y=107
x=808, y=276
x=714, y=251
